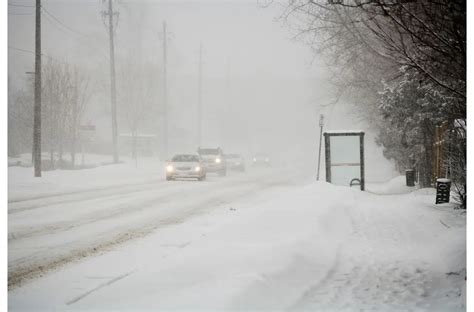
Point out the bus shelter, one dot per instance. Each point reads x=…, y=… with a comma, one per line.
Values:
x=344, y=155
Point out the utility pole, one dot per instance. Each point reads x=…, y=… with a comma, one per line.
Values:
x=37, y=105
x=74, y=120
x=199, y=115
x=113, y=91
x=165, y=93
x=321, y=124
x=227, y=118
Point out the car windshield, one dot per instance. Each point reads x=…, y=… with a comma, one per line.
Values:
x=209, y=151
x=185, y=158
x=229, y=156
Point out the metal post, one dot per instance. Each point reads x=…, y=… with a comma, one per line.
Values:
x=321, y=124
x=327, y=149
x=362, y=163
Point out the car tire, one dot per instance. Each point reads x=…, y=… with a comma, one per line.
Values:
x=202, y=178
x=169, y=178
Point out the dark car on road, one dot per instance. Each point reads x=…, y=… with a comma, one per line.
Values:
x=261, y=159
x=235, y=162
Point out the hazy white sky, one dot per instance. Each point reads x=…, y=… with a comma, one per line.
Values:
x=243, y=33
x=276, y=85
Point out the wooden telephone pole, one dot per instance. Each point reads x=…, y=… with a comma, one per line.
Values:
x=165, y=92
x=199, y=114
x=110, y=14
x=37, y=105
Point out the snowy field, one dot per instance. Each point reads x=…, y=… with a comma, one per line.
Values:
x=122, y=238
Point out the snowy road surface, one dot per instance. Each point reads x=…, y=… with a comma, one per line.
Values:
x=250, y=241
x=50, y=229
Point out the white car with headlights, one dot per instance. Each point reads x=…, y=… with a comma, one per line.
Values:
x=213, y=160
x=185, y=166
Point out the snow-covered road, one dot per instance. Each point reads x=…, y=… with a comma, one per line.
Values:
x=254, y=241
x=50, y=229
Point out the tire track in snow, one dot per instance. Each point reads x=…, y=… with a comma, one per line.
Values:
x=93, y=216
x=114, y=209
x=19, y=274
x=318, y=288
x=114, y=280
x=41, y=262
x=81, y=191
x=323, y=290
x=35, y=203
x=372, y=277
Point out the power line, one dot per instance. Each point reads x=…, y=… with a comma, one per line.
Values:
x=21, y=5
x=42, y=54
x=22, y=50
x=61, y=23
x=54, y=21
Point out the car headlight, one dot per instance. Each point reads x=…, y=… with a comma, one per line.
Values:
x=218, y=160
x=197, y=169
x=169, y=168
x=255, y=159
x=266, y=159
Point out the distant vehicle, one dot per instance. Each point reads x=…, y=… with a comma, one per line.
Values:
x=213, y=160
x=185, y=166
x=235, y=162
x=261, y=159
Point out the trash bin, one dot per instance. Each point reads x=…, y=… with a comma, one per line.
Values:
x=443, y=190
x=410, y=177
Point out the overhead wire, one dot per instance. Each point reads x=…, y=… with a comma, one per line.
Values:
x=42, y=54
x=21, y=5
x=61, y=23
x=17, y=14
x=19, y=49
x=54, y=21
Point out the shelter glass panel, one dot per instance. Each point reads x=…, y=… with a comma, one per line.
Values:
x=345, y=159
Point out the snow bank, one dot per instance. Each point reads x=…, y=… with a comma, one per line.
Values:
x=22, y=185
x=395, y=185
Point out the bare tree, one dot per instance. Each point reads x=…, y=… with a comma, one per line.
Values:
x=138, y=97
x=65, y=97
x=404, y=60
x=20, y=122
x=80, y=99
